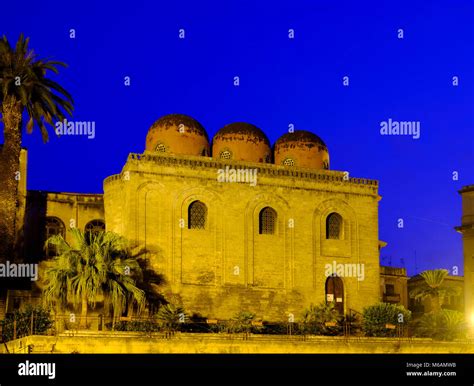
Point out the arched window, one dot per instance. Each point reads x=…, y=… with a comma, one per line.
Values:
x=53, y=226
x=95, y=226
x=267, y=221
x=197, y=215
x=289, y=162
x=334, y=226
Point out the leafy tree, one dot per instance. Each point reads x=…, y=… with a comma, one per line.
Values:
x=94, y=265
x=377, y=317
x=25, y=88
x=433, y=287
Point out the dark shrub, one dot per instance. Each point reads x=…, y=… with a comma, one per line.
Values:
x=41, y=322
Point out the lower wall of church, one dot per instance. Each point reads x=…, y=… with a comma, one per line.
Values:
x=224, y=302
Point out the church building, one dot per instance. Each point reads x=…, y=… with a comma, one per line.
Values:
x=233, y=224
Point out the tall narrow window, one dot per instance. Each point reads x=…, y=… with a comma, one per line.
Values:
x=335, y=293
x=267, y=221
x=95, y=226
x=334, y=226
x=54, y=226
x=197, y=215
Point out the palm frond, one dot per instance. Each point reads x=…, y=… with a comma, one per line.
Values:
x=94, y=265
x=44, y=100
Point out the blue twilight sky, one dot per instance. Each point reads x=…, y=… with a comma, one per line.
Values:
x=282, y=81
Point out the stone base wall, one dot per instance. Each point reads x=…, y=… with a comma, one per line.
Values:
x=132, y=343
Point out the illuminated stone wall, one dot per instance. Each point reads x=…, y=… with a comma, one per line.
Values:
x=467, y=230
x=230, y=267
x=129, y=343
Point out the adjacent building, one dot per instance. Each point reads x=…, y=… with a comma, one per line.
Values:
x=393, y=285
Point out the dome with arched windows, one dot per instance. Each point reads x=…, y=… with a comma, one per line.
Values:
x=241, y=141
x=301, y=149
x=178, y=134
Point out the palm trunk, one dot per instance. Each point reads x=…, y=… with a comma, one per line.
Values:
x=9, y=168
x=83, y=323
x=436, y=304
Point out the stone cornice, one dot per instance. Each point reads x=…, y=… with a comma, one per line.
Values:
x=70, y=197
x=467, y=188
x=265, y=170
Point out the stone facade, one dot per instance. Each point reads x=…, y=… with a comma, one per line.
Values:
x=182, y=343
x=229, y=266
x=467, y=230
x=270, y=233
x=393, y=285
x=47, y=209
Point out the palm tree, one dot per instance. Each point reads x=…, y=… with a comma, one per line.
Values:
x=320, y=319
x=445, y=325
x=242, y=322
x=433, y=287
x=24, y=88
x=170, y=316
x=96, y=265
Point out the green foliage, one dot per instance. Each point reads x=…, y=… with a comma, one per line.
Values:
x=44, y=100
x=146, y=326
x=433, y=286
x=241, y=322
x=442, y=325
x=41, y=322
x=93, y=265
x=376, y=317
x=319, y=320
x=171, y=316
